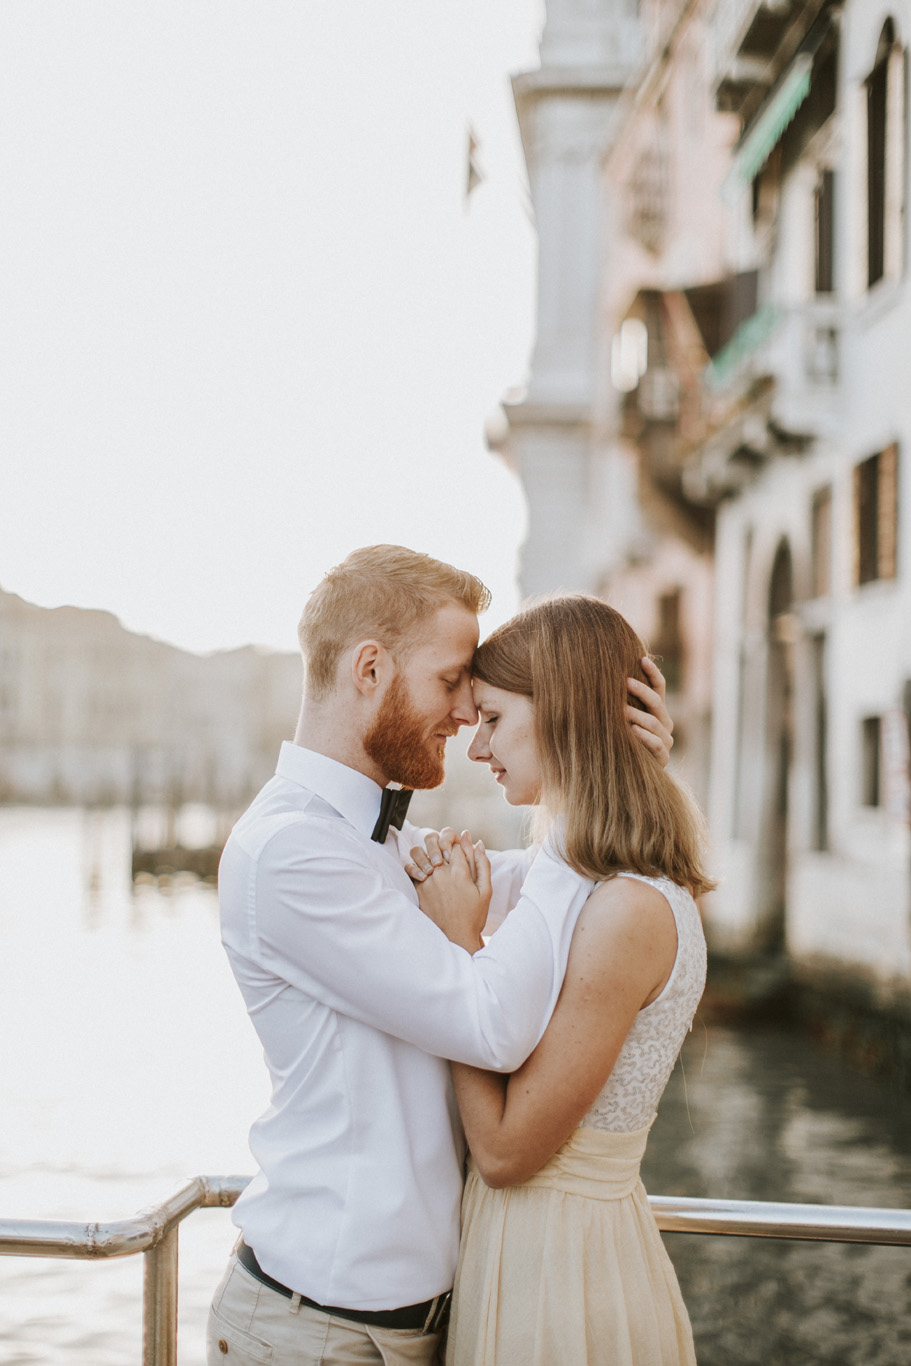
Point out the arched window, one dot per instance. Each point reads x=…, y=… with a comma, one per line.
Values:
x=885, y=158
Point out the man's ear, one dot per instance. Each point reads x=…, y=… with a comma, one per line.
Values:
x=371, y=666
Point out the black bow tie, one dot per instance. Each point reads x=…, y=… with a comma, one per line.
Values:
x=393, y=806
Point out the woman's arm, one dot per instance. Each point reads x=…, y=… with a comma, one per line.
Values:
x=622, y=954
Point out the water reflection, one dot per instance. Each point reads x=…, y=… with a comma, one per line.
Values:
x=128, y=1064
x=761, y=1114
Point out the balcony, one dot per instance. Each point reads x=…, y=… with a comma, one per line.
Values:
x=753, y=40
x=775, y=390
x=750, y=25
x=797, y=346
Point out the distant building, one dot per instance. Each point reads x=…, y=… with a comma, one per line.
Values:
x=91, y=713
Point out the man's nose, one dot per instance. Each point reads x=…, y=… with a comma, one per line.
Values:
x=464, y=711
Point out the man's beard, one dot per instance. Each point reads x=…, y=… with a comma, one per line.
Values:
x=397, y=744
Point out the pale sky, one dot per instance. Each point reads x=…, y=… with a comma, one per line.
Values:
x=248, y=319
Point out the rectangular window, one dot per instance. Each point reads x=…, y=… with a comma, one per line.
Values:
x=871, y=767
x=825, y=233
x=876, y=173
x=821, y=542
x=876, y=516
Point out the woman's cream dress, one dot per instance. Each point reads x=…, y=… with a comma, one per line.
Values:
x=568, y=1268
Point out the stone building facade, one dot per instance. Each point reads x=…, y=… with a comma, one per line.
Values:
x=807, y=467
x=616, y=128
x=734, y=474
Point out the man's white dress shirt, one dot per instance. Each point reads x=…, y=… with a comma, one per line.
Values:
x=357, y=998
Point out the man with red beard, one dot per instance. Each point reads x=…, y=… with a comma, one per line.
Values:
x=350, y=1228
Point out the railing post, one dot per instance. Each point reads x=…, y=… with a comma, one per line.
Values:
x=159, y=1302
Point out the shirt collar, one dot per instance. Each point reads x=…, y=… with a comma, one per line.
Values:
x=352, y=794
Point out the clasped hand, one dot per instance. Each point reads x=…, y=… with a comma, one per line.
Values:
x=452, y=879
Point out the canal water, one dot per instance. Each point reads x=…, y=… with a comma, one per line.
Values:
x=127, y=1064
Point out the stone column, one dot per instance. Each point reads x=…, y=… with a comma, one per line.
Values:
x=588, y=53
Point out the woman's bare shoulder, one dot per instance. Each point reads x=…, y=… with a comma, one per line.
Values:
x=621, y=896
x=626, y=934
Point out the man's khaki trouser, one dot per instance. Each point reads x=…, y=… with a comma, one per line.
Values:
x=249, y=1323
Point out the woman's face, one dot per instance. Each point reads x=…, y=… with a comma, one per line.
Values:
x=505, y=740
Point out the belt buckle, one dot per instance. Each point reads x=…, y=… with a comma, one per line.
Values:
x=436, y=1319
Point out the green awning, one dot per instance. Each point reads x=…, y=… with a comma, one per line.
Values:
x=750, y=337
x=772, y=120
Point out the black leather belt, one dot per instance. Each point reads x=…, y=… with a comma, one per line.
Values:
x=429, y=1316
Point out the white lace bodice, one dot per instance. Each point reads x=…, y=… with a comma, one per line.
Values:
x=630, y=1097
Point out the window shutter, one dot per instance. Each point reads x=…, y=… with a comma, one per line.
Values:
x=821, y=542
x=887, y=513
x=877, y=99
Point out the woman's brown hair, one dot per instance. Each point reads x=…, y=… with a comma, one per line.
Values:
x=621, y=810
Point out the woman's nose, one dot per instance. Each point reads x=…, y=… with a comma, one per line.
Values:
x=479, y=750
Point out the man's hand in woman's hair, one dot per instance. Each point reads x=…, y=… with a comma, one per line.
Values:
x=651, y=720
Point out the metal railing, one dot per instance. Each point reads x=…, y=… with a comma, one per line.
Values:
x=154, y=1232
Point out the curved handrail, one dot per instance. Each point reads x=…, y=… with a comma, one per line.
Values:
x=120, y=1237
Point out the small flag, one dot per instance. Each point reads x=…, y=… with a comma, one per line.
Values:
x=475, y=174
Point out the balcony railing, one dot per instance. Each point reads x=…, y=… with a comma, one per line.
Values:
x=732, y=20
x=735, y=18
x=747, y=35
x=797, y=345
x=154, y=1232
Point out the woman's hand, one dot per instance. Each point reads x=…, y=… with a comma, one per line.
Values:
x=436, y=851
x=456, y=897
x=653, y=726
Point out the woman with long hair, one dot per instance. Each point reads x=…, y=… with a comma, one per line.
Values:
x=561, y=1259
